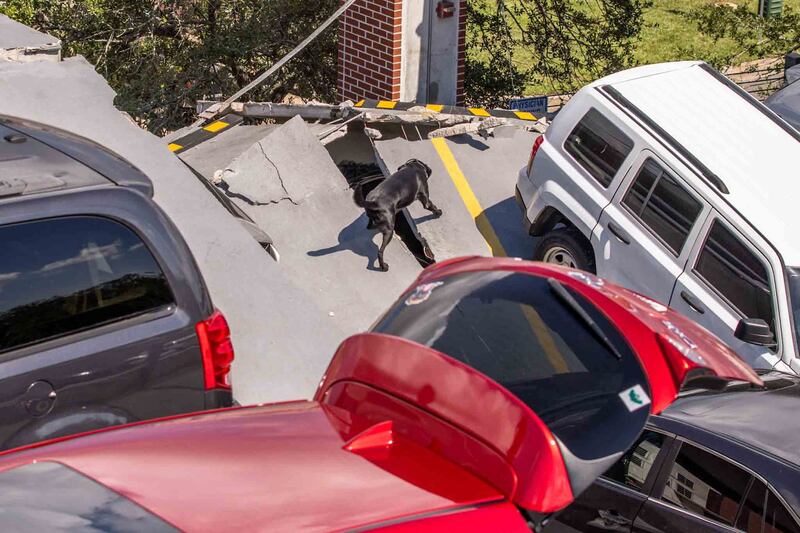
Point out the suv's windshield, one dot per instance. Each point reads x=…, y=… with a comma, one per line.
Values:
x=541, y=340
x=793, y=275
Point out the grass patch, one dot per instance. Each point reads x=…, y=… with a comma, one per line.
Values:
x=670, y=35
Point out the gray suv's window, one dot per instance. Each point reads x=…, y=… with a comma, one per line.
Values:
x=736, y=273
x=598, y=146
x=64, y=275
x=706, y=485
x=662, y=205
x=633, y=468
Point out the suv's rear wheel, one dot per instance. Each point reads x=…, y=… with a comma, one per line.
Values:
x=566, y=247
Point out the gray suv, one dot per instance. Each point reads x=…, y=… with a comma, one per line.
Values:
x=104, y=315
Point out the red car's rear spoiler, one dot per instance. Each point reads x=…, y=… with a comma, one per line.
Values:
x=456, y=410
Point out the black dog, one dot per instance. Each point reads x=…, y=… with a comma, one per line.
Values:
x=399, y=190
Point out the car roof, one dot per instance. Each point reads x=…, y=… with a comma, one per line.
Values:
x=762, y=419
x=36, y=158
x=731, y=134
x=786, y=103
x=283, y=465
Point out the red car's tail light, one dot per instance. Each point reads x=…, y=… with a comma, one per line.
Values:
x=216, y=349
x=536, y=144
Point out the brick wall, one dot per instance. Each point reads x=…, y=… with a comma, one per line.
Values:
x=370, y=35
x=462, y=50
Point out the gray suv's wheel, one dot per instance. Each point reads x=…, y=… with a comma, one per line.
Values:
x=566, y=247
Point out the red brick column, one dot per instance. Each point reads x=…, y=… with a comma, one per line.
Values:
x=462, y=50
x=370, y=38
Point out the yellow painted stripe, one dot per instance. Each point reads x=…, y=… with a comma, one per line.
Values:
x=360, y=103
x=467, y=196
x=524, y=115
x=472, y=204
x=384, y=104
x=174, y=147
x=214, y=127
x=479, y=112
x=435, y=107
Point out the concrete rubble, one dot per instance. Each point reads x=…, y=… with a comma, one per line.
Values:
x=21, y=44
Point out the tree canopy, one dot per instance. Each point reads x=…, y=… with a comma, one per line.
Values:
x=557, y=44
x=754, y=36
x=163, y=55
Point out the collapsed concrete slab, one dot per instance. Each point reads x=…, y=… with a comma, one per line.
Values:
x=21, y=43
x=322, y=235
x=283, y=341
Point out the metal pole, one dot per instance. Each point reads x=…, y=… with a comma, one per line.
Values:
x=216, y=109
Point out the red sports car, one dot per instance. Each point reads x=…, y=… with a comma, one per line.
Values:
x=485, y=399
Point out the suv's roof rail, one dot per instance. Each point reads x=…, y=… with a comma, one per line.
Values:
x=706, y=173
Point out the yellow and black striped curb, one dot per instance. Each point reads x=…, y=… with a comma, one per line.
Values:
x=205, y=133
x=447, y=109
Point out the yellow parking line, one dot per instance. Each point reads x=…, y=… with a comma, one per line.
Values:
x=435, y=107
x=384, y=104
x=524, y=115
x=214, y=127
x=467, y=196
x=539, y=328
x=174, y=147
x=360, y=103
x=479, y=112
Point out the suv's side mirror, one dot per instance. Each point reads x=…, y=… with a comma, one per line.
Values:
x=755, y=331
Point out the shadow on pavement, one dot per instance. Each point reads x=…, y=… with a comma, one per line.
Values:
x=356, y=238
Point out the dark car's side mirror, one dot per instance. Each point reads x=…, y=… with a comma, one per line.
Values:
x=755, y=331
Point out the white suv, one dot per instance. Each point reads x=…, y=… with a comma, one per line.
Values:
x=671, y=180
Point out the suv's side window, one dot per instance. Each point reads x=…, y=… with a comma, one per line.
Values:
x=661, y=204
x=736, y=273
x=64, y=275
x=598, y=146
x=706, y=485
x=634, y=466
x=763, y=511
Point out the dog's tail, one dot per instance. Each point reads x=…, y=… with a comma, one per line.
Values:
x=358, y=195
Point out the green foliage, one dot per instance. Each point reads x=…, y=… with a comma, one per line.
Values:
x=557, y=44
x=754, y=36
x=163, y=55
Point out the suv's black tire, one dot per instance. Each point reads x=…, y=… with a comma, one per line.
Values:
x=571, y=242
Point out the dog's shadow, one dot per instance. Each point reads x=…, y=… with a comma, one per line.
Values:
x=356, y=238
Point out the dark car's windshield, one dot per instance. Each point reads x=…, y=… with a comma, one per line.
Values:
x=793, y=275
x=576, y=372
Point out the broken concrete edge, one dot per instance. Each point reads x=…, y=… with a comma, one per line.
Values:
x=31, y=53
x=20, y=43
x=420, y=115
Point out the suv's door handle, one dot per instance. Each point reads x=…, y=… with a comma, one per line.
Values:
x=693, y=302
x=618, y=233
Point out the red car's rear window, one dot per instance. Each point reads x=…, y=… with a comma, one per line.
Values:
x=518, y=330
x=49, y=496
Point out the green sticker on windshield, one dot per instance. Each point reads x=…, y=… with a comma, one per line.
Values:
x=634, y=398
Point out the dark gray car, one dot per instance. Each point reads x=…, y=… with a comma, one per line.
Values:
x=715, y=461
x=786, y=103
x=104, y=315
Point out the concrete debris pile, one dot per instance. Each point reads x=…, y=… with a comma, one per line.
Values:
x=22, y=44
